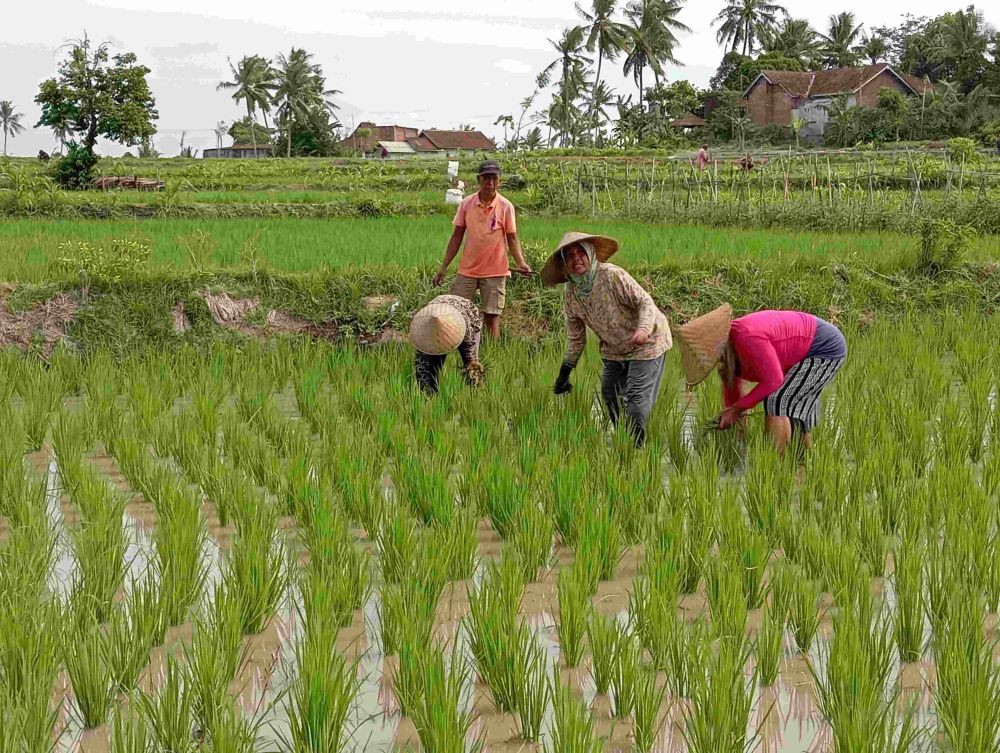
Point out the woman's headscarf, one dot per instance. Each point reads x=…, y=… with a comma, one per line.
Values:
x=582, y=285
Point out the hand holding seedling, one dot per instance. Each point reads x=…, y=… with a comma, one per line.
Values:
x=728, y=418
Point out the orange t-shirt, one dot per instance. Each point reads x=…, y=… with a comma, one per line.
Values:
x=486, y=228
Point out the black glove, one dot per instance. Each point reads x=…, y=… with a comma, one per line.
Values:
x=562, y=381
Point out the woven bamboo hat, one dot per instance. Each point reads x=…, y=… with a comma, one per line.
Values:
x=701, y=342
x=437, y=329
x=554, y=272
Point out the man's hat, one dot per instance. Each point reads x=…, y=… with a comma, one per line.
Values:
x=489, y=167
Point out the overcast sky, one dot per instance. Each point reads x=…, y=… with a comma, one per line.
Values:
x=433, y=63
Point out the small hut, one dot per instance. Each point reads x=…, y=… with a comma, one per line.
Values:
x=688, y=123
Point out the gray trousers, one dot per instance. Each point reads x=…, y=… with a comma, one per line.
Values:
x=636, y=385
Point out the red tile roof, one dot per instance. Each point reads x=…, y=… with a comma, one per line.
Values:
x=833, y=81
x=459, y=140
x=794, y=82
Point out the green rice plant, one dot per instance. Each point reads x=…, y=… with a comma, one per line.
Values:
x=767, y=488
x=718, y=718
x=533, y=696
x=255, y=572
x=602, y=631
x=397, y=541
x=69, y=440
x=663, y=555
x=574, y=611
x=85, y=655
x=320, y=697
x=461, y=540
x=726, y=601
x=872, y=542
x=747, y=552
x=42, y=395
x=232, y=732
x=407, y=609
x=442, y=723
x=502, y=497
x=803, y=595
x=625, y=669
x=531, y=540
x=179, y=542
x=601, y=543
x=211, y=665
x=569, y=485
x=129, y=733
x=169, y=713
x=646, y=714
x=572, y=726
x=768, y=645
x=853, y=691
x=968, y=680
x=908, y=581
x=422, y=484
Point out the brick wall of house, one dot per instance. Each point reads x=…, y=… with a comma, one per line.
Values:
x=868, y=95
x=769, y=104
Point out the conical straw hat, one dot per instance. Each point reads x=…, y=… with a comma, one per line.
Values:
x=701, y=342
x=437, y=329
x=554, y=273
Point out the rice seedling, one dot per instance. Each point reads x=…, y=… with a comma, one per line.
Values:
x=603, y=634
x=397, y=541
x=212, y=660
x=726, y=600
x=601, y=544
x=769, y=644
x=42, y=394
x=320, y=696
x=718, y=718
x=533, y=696
x=255, y=573
x=85, y=654
x=441, y=723
x=802, y=594
x=574, y=611
x=852, y=693
x=572, y=726
x=169, y=713
x=422, y=484
x=232, y=732
x=133, y=630
x=968, y=680
x=129, y=733
x=908, y=581
x=569, y=485
x=531, y=540
x=648, y=698
x=625, y=668
x=501, y=497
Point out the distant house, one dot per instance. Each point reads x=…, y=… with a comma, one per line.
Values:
x=386, y=142
x=238, y=151
x=688, y=123
x=367, y=135
x=775, y=97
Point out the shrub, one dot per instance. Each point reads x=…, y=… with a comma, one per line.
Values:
x=76, y=169
x=943, y=244
x=962, y=149
x=104, y=264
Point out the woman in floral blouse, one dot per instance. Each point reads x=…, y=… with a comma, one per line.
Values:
x=447, y=323
x=633, y=332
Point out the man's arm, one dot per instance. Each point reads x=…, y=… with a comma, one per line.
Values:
x=514, y=245
x=454, y=244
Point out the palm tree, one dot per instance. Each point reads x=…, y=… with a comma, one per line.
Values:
x=601, y=99
x=253, y=84
x=533, y=140
x=300, y=90
x=62, y=132
x=607, y=36
x=10, y=122
x=794, y=39
x=840, y=40
x=745, y=22
x=652, y=40
x=873, y=48
x=958, y=49
x=572, y=63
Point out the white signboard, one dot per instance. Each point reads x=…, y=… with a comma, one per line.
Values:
x=452, y=169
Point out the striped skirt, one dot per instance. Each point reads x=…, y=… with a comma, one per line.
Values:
x=798, y=396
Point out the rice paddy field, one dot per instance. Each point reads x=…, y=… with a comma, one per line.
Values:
x=284, y=546
x=217, y=536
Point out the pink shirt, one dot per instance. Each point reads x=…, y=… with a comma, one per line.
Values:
x=767, y=344
x=486, y=228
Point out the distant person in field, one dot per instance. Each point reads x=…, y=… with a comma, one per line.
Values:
x=486, y=222
x=792, y=357
x=701, y=159
x=633, y=332
x=447, y=323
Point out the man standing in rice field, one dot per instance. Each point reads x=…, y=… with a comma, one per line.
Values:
x=486, y=222
x=634, y=333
